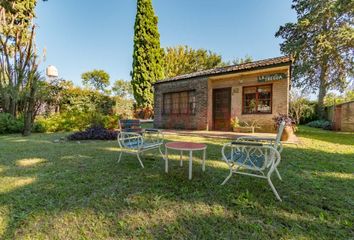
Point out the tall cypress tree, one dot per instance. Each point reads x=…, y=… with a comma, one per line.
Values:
x=147, y=55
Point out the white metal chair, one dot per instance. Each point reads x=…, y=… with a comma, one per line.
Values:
x=136, y=142
x=252, y=159
x=275, y=142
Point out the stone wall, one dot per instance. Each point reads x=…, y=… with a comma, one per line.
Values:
x=198, y=121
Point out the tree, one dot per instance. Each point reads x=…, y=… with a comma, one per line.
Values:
x=147, y=54
x=322, y=44
x=241, y=60
x=19, y=75
x=183, y=59
x=300, y=107
x=333, y=98
x=122, y=88
x=97, y=79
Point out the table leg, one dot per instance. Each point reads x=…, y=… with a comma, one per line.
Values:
x=203, y=166
x=166, y=160
x=190, y=164
x=180, y=159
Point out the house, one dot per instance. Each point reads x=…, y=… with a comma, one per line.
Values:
x=209, y=99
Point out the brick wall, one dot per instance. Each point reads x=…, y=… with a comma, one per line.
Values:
x=195, y=122
x=280, y=96
x=204, y=86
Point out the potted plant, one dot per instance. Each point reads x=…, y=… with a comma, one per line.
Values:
x=235, y=123
x=289, y=128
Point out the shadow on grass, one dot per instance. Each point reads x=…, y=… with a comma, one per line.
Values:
x=148, y=203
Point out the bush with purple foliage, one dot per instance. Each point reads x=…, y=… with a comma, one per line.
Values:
x=94, y=133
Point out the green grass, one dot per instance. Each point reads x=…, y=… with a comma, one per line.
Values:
x=78, y=191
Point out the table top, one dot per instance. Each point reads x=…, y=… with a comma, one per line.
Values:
x=187, y=146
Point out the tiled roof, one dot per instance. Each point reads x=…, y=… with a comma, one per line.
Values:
x=233, y=68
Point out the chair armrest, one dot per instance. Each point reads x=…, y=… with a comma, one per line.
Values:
x=253, y=144
x=249, y=138
x=153, y=135
x=130, y=140
x=151, y=130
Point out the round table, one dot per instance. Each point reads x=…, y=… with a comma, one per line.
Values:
x=185, y=146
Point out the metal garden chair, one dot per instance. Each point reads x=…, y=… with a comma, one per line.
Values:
x=275, y=142
x=252, y=159
x=132, y=139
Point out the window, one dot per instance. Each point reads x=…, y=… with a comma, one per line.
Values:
x=179, y=103
x=257, y=99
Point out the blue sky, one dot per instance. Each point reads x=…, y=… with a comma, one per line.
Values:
x=82, y=35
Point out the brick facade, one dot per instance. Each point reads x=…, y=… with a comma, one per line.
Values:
x=198, y=121
x=204, y=85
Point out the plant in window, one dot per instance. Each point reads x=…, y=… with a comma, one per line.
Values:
x=253, y=105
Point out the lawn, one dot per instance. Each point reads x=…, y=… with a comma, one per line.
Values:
x=75, y=190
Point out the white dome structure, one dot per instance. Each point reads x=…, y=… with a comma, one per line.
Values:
x=51, y=71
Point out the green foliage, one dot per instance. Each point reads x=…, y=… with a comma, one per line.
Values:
x=324, y=124
x=9, y=124
x=183, y=59
x=78, y=108
x=241, y=60
x=74, y=121
x=85, y=100
x=333, y=99
x=122, y=89
x=23, y=9
x=123, y=107
x=147, y=54
x=97, y=79
x=322, y=44
x=301, y=109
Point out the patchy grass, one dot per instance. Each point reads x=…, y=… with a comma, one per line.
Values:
x=78, y=191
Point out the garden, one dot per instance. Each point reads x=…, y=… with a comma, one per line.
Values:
x=77, y=190
x=62, y=175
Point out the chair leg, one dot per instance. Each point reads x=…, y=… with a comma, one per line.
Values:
x=141, y=163
x=278, y=174
x=227, y=178
x=273, y=189
x=180, y=159
x=166, y=160
x=163, y=156
x=120, y=156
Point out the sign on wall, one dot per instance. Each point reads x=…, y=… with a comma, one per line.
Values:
x=272, y=77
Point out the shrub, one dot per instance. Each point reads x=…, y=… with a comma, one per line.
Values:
x=9, y=124
x=324, y=124
x=94, y=133
x=38, y=127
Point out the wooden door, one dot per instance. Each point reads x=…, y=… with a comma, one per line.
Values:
x=221, y=109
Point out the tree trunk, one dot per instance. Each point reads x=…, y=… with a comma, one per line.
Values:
x=322, y=89
x=320, y=107
x=29, y=112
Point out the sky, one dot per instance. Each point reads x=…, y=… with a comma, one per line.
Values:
x=82, y=35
